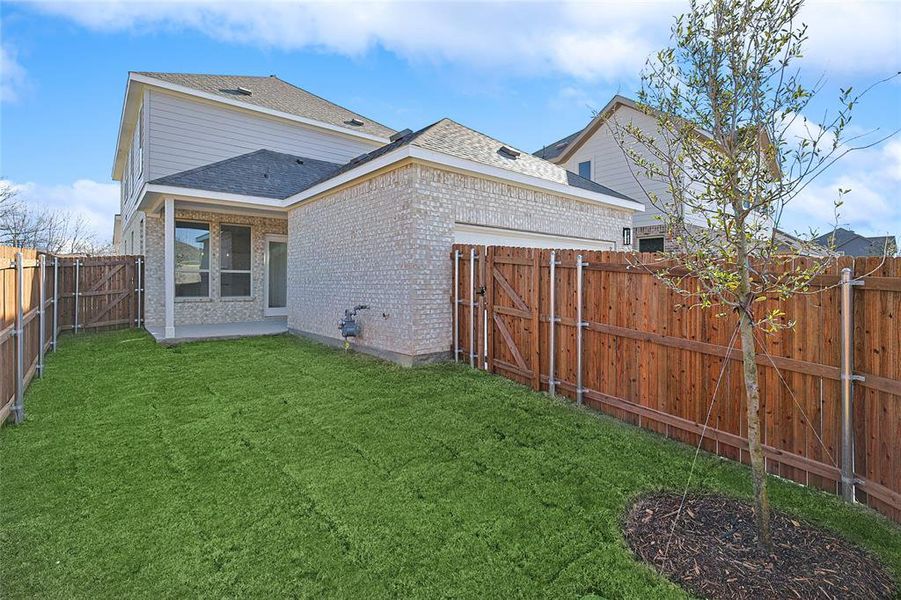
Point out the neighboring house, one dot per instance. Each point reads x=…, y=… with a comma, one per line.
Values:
x=258, y=204
x=847, y=243
x=594, y=153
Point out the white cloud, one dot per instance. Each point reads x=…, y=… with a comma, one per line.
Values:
x=93, y=201
x=854, y=37
x=13, y=79
x=870, y=207
x=601, y=40
x=585, y=40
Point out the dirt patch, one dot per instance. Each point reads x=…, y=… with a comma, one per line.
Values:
x=714, y=554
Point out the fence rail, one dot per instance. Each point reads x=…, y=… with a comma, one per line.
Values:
x=43, y=295
x=593, y=327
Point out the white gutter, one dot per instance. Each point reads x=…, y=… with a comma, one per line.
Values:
x=446, y=160
x=413, y=152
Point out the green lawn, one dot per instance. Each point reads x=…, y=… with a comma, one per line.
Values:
x=277, y=467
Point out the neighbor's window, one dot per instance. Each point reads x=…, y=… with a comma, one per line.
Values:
x=585, y=169
x=192, y=260
x=234, y=261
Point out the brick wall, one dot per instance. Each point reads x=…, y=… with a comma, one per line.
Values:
x=213, y=309
x=386, y=243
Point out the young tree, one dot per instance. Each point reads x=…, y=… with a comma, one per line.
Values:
x=733, y=148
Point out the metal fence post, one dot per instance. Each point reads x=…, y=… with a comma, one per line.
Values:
x=55, y=299
x=472, y=307
x=457, y=254
x=140, y=288
x=847, y=471
x=580, y=325
x=77, y=277
x=19, y=406
x=552, y=321
x=41, y=311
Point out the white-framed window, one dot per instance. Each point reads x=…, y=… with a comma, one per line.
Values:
x=234, y=261
x=192, y=259
x=585, y=169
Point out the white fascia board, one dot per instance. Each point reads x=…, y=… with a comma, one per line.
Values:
x=121, y=127
x=446, y=160
x=254, y=108
x=238, y=200
x=561, y=189
x=364, y=169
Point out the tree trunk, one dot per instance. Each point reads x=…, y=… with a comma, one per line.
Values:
x=755, y=448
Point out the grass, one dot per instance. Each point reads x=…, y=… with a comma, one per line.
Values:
x=277, y=467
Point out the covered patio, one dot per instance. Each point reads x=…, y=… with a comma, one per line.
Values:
x=221, y=331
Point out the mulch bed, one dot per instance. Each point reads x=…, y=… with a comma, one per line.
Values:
x=714, y=553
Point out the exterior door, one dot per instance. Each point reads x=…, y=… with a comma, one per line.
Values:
x=276, y=279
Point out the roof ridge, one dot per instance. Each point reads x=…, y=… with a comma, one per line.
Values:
x=205, y=74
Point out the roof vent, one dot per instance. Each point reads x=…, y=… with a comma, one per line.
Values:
x=400, y=134
x=298, y=161
x=355, y=122
x=508, y=152
x=245, y=91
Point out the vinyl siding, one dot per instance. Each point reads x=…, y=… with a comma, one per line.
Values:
x=610, y=167
x=186, y=133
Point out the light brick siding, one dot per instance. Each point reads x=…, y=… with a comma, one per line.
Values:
x=213, y=309
x=386, y=243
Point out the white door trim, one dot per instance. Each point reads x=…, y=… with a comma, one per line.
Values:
x=270, y=312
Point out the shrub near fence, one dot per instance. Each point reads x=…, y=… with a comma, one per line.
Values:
x=43, y=295
x=642, y=358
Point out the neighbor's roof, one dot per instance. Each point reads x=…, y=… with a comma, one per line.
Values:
x=262, y=173
x=275, y=94
x=552, y=151
x=850, y=243
x=451, y=138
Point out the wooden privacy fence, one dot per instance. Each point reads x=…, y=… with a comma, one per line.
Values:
x=594, y=327
x=43, y=295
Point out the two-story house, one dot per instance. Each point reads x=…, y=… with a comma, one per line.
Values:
x=260, y=207
x=595, y=153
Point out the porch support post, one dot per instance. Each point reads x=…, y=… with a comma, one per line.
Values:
x=169, y=270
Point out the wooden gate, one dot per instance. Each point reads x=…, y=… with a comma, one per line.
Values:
x=497, y=316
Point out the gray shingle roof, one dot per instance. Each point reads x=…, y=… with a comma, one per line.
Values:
x=273, y=93
x=552, y=151
x=451, y=138
x=850, y=243
x=261, y=173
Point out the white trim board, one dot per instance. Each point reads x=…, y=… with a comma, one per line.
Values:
x=465, y=233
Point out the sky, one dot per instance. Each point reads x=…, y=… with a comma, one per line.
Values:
x=525, y=73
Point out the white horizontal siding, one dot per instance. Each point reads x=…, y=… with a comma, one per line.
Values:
x=609, y=166
x=185, y=134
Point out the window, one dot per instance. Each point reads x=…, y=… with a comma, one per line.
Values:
x=585, y=169
x=192, y=260
x=650, y=244
x=234, y=261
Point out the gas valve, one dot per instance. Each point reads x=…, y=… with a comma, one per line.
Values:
x=348, y=326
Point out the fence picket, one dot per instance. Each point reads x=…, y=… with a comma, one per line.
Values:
x=27, y=331
x=650, y=362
